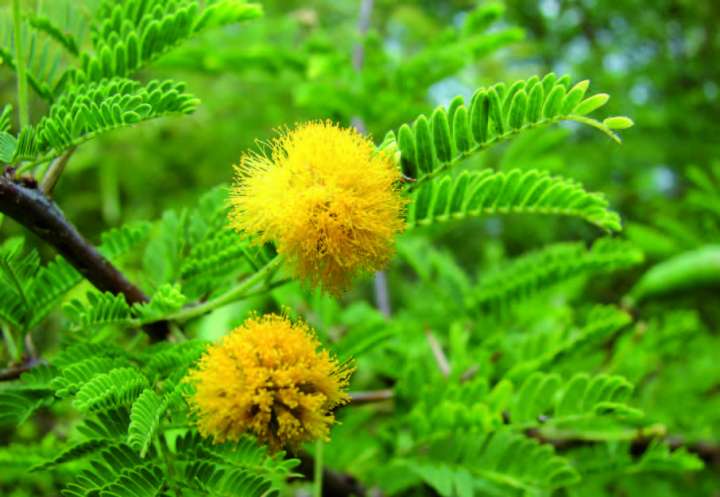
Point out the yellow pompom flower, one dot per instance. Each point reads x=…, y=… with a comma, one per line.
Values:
x=326, y=197
x=269, y=378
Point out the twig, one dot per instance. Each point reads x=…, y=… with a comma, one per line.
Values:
x=382, y=294
x=370, y=396
x=708, y=451
x=469, y=373
x=27, y=205
x=366, y=8
x=14, y=372
x=231, y=295
x=54, y=171
x=440, y=357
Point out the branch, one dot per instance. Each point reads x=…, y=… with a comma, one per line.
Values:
x=370, y=396
x=14, y=372
x=235, y=293
x=25, y=203
x=437, y=350
x=708, y=451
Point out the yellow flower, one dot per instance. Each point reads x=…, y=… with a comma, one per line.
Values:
x=268, y=378
x=327, y=199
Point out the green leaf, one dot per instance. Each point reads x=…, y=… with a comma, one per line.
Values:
x=145, y=420
x=110, y=390
x=515, y=192
x=695, y=269
x=531, y=273
x=495, y=114
x=618, y=122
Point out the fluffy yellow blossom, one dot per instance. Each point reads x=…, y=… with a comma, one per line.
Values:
x=327, y=199
x=268, y=377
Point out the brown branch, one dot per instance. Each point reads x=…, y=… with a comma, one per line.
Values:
x=25, y=203
x=14, y=372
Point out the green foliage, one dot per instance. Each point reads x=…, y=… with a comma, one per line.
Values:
x=144, y=420
x=514, y=192
x=109, y=390
x=493, y=115
x=87, y=110
x=544, y=396
x=687, y=271
x=536, y=271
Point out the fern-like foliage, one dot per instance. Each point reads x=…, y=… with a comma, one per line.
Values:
x=16, y=269
x=76, y=375
x=484, y=193
x=166, y=300
x=537, y=351
x=73, y=453
x=493, y=115
x=162, y=359
x=99, y=309
x=23, y=280
x=46, y=58
x=534, y=272
x=19, y=400
x=546, y=399
x=90, y=91
x=502, y=459
x=110, y=390
x=128, y=36
x=214, y=469
x=144, y=420
x=111, y=425
x=87, y=110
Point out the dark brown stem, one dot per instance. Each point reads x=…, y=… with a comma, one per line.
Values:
x=14, y=372
x=25, y=203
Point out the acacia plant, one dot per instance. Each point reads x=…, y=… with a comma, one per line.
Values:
x=471, y=387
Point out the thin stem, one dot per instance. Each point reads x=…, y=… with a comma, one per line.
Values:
x=318, y=473
x=10, y=344
x=176, y=333
x=22, y=88
x=370, y=396
x=168, y=464
x=52, y=175
x=235, y=293
x=440, y=358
